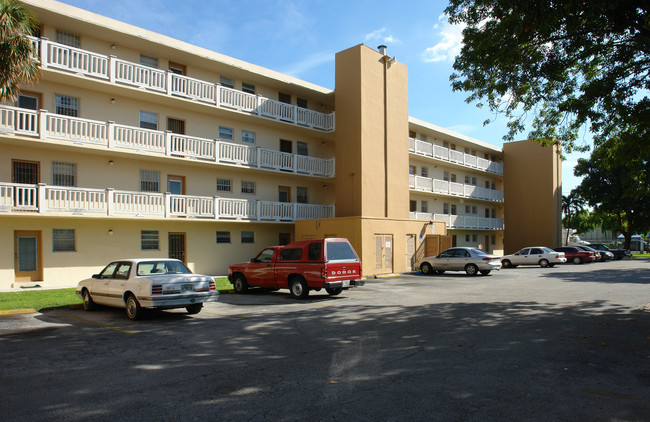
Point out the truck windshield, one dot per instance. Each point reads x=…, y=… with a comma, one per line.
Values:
x=337, y=251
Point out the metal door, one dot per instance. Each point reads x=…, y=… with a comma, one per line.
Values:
x=27, y=256
x=177, y=246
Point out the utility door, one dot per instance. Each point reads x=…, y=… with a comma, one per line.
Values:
x=177, y=246
x=410, y=251
x=384, y=253
x=28, y=264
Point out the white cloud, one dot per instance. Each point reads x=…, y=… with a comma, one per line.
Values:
x=380, y=35
x=451, y=40
x=463, y=129
x=310, y=62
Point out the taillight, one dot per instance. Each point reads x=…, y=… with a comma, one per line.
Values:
x=557, y=256
x=156, y=289
x=323, y=272
x=489, y=259
x=213, y=286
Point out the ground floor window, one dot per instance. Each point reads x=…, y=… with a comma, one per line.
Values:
x=247, y=237
x=149, y=240
x=63, y=240
x=223, y=237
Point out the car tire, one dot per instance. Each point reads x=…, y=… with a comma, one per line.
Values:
x=334, y=291
x=543, y=263
x=576, y=260
x=239, y=284
x=426, y=268
x=486, y=272
x=298, y=288
x=89, y=303
x=506, y=263
x=133, y=308
x=471, y=269
x=194, y=308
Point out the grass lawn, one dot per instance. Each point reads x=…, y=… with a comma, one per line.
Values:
x=54, y=298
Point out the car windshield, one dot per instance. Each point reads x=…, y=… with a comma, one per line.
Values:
x=162, y=267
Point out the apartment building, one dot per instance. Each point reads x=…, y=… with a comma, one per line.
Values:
x=136, y=144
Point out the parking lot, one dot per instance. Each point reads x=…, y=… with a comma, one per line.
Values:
x=564, y=343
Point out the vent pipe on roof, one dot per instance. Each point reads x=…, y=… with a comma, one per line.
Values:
x=382, y=49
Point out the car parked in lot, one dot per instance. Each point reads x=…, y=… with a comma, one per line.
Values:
x=618, y=253
x=601, y=256
x=135, y=284
x=470, y=260
x=575, y=255
x=534, y=255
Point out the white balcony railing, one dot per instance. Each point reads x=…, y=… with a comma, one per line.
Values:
x=428, y=149
x=45, y=125
x=88, y=64
x=44, y=199
x=460, y=221
x=445, y=187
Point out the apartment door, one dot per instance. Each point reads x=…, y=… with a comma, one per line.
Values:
x=177, y=246
x=384, y=253
x=486, y=247
x=284, y=194
x=27, y=255
x=410, y=251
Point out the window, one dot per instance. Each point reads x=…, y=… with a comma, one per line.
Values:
x=123, y=271
x=314, y=251
x=284, y=98
x=177, y=68
x=445, y=144
x=176, y=126
x=474, y=209
x=493, y=239
x=453, y=209
x=445, y=176
x=248, y=137
x=284, y=194
x=148, y=120
x=301, y=102
x=302, y=148
x=67, y=106
x=223, y=237
x=424, y=206
x=487, y=213
x=27, y=101
x=467, y=180
x=424, y=172
x=149, y=61
x=247, y=237
x=68, y=38
x=412, y=170
x=453, y=178
x=468, y=209
x=413, y=206
x=301, y=195
x=226, y=133
x=224, y=185
x=494, y=213
x=227, y=82
x=149, y=240
x=149, y=181
x=493, y=186
x=285, y=146
x=445, y=208
x=474, y=238
x=291, y=254
x=64, y=174
x=474, y=181
x=176, y=184
x=247, y=187
x=63, y=240
x=246, y=87
x=467, y=238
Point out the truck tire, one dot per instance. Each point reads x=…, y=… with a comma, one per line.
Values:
x=298, y=288
x=239, y=284
x=334, y=291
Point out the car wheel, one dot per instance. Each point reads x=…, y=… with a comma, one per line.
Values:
x=426, y=268
x=543, y=263
x=506, y=263
x=486, y=272
x=194, y=309
x=89, y=304
x=440, y=271
x=576, y=260
x=133, y=308
x=471, y=269
x=239, y=284
x=298, y=288
x=334, y=291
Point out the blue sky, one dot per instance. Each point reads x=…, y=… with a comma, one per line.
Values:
x=301, y=37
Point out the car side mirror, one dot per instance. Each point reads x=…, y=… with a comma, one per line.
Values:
x=97, y=276
x=255, y=260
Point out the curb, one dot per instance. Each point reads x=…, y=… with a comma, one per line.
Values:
x=18, y=311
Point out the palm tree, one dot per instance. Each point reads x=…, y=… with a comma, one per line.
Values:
x=18, y=62
x=571, y=204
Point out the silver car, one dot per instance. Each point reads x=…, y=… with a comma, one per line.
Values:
x=470, y=260
x=135, y=284
x=534, y=255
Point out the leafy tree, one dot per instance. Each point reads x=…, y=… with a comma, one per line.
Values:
x=581, y=222
x=18, y=64
x=572, y=204
x=616, y=182
x=568, y=64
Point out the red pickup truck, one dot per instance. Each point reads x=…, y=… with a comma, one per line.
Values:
x=330, y=264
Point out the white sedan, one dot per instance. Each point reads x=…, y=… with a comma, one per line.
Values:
x=135, y=284
x=470, y=260
x=534, y=255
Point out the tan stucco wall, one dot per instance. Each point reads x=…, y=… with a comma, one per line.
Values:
x=532, y=194
x=371, y=151
x=361, y=233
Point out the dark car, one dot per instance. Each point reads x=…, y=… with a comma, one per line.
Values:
x=600, y=255
x=576, y=255
x=618, y=253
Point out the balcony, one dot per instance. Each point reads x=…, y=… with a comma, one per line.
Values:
x=426, y=184
x=452, y=156
x=109, y=68
x=461, y=221
x=44, y=125
x=45, y=199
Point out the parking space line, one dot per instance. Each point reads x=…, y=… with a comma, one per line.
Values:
x=110, y=327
